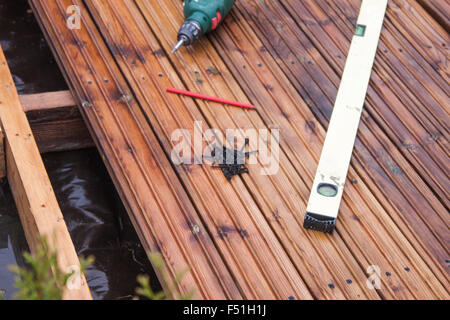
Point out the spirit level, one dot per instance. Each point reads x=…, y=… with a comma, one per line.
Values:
x=328, y=187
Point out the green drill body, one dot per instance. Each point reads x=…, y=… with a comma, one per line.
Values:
x=206, y=11
x=202, y=16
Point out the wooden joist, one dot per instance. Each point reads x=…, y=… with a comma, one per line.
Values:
x=2, y=155
x=35, y=200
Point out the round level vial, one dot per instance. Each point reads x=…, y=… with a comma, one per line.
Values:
x=327, y=190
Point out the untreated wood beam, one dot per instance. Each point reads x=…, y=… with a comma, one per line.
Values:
x=35, y=200
x=2, y=156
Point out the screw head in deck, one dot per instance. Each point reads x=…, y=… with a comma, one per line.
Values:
x=86, y=104
x=196, y=229
x=126, y=98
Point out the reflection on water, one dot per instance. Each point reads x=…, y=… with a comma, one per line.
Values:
x=98, y=222
x=28, y=54
x=12, y=241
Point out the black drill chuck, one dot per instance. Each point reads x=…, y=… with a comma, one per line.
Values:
x=189, y=32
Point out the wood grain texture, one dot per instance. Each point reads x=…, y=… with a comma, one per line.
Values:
x=311, y=62
x=129, y=146
x=35, y=200
x=2, y=155
x=47, y=100
x=390, y=160
x=286, y=57
x=440, y=10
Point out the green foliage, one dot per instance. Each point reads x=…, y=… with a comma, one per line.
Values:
x=146, y=291
x=43, y=279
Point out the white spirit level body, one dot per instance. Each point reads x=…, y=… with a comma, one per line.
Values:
x=328, y=187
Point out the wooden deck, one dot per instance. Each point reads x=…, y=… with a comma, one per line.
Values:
x=244, y=239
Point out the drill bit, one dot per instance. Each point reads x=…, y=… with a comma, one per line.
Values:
x=178, y=45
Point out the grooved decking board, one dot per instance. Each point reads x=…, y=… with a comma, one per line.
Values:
x=286, y=57
x=125, y=138
x=384, y=172
x=440, y=10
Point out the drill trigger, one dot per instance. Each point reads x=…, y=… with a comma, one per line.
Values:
x=216, y=20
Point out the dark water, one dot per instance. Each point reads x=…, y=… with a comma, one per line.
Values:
x=97, y=222
x=95, y=216
x=29, y=57
x=12, y=240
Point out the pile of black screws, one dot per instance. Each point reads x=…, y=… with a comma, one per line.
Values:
x=237, y=165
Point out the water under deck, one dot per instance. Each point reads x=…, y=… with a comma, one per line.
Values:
x=244, y=238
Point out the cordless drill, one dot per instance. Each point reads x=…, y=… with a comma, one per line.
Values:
x=202, y=16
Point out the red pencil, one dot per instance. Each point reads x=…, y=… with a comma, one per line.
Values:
x=215, y=99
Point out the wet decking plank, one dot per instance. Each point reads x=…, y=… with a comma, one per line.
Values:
x=233, y=217
x=394, y=213
x=439, y=10
x=126, y=140
x=228, y=47
x=383, y=155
